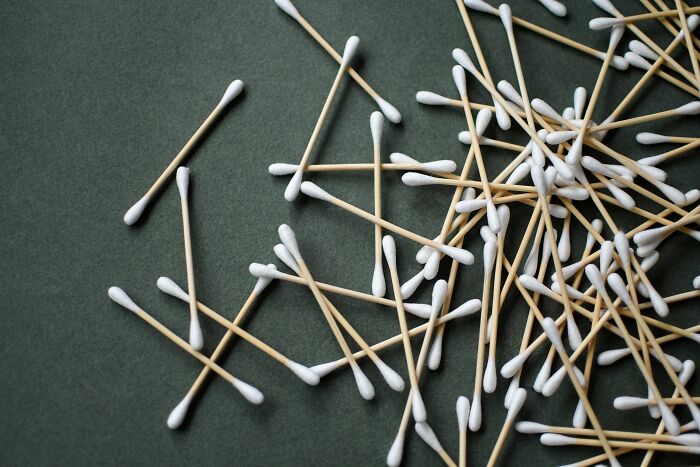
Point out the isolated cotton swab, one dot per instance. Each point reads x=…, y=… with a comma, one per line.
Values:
x=376, y=123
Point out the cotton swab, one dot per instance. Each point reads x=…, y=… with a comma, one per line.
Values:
x=555, y=7
x=387, y=109
x=515, y=406
x=183, y=180
x=305, y=374
x=178, y=414
x=389, y=246
x=376, y=123
x=288, y=238
x=314, y=191
x=609, y=22
x=551, y=439
x=647, y=138
x=442, y=167
x=251, y=394
x=135, y=211
x=292, y=190
x=462, y=419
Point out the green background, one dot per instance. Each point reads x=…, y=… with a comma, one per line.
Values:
x=96, y=99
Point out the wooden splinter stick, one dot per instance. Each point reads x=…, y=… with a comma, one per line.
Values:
x=135, y=211
x=253, y=395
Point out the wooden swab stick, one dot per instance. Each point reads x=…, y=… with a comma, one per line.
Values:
x=178, y=414
x=689, y=41
x=289, y=239
x=292, y=190
x=249, y=392
x=598, y=23
x=183, y=180
x=387, y=109
x=418, y=407
x=314, y=191
x=378, y=282
x=135, y=211
x=551, y=439
x=692, y=108
x=305, y=374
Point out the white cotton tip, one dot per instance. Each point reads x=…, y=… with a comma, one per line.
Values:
x=400, y=158
x=512, y=387
x=672, y=193
x=442, y=166
x=288, y=7
x=287, y=236
x=458, y=254
x=232, y=91
x=177, y=416
x=573, y=333
x=389, y=248
x=571, y=292
x=692, y=196
x=542, y=376
x=470, y=205
x=482, y=6
x=569, y=113
x=430, y=98
x=580, y=416
x=519, y=173
x=435, y=355
x=650, y=261
x=465, y=137
x=428, y=435
x=460, y=80
x=629, y=403
x=598, y=24
x=363, y=383
x=616, y=35
x=652, y=161
x=650, y=138
x=392, y=378
x=573, y=193
x=686, y=372
x=647, y=250
x=376, y=125
x=648, y=236
x=534, y=285
x=555, y=7
x=292, y=190
x=609, y=357
x=696, y=282
x=515, y=364
x=622, y=197
x=489, y=254
x=483, y=118
x=324, y=368
x=461, y=57
x=314, y=191
x=691, y=108
x=504, y=216
x=286, y=257
x=657, y=302
x=378, y=282
x=502, y=116
x=167, y=285
x=637, y=61
x=620, y=64
x=558, y=137
x=537, y=154
x=279, y=168
x=467, y=308
x=490, y=378
x=418, y=407
x=674, y=362
x=653, y=172
x=420, y=310
x=409, y=287
x=196, y=339
x=506, y=17
x=544, y=109
x=552, y=384
x=417, y=179
x=389, y=111
x=653, y=410
x=550, y=328
x=596, y=279
x=493, y=218
x=393, y=459
x=622, y=246
x=594, y=165
x=640, y=48
x=306, y=374
x=554, y=439
x=252, y=395
x=692, y=22
x=516, y=404
x=438, y=296
x=574, y=155
x=350, y=49
x=462, y=413
x=261, y=271
x=670, y=420
x=488, y=330
x=539, y=180
x=475, y=413
x=562, y=168
x=135, y=211
x=531, y=428
x=606, y=255
x=120, y=297
x=687, y=439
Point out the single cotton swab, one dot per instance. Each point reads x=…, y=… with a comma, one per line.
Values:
x=387, y=109
x=376, y=123
x=292, y=190
x=183, y=180
x=134, y=213
x=249, y=392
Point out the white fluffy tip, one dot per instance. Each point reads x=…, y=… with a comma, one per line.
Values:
x=420, y=310
x=135, y=211
x=350, y=49
x=554, y=439
x=392, y=378
x=475, y=413
x=691, y=108
x=288, y=7
x=597, y=24
x=177, y=416
x=306, y=374
x=463, y=59
x=418, y=407
x=417, y=179
x=167, y=285
x=313, y=190
x=376, y=124
x=531, y=428
x=252, y=394
x=280, y=168
x=490, y=378
x=431, y=98
x=393, y=459
x=462, y=413
x=378, y=282
x=389, y=111
x=196, y=338
x=363, y=384
x=516, y=403
x=292, y=190
x=119, y=296
x=428, y=435
x=512, y=366
x=324, y=368
x=481, y=5
x=459, y=254
x=556, y=8
x=389, y=248
x=506, y=16
x=232, y=91
x=467, y=308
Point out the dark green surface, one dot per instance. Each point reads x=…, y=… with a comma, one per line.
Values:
x=97, y=97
